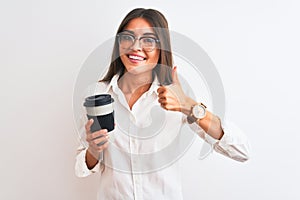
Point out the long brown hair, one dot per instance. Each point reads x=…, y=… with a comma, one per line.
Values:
x=161, y=29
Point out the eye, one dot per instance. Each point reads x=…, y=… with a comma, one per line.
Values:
x=148, y=41
x=126, y=37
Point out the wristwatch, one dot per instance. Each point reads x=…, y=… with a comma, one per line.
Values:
x=198, y=111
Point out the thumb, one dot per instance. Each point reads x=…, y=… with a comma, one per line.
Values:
x=89, y=124
x=175, y=76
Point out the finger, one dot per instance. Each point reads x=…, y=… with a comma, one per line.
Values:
x=95, y=144
x=164, y=106
x=89, y=137
x=102, y=147
x=100, y=141
x=88, y=125
x=97, y=134
x=175, y=75
x=100, y=133
x=161, y=89
x=162, y=101
x=167, y=95
x=162, y=96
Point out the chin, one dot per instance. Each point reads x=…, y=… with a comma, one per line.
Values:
x=136, y=70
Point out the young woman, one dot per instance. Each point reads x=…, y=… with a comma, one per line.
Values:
x=141, y=78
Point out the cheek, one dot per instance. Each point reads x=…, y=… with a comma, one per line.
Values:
x=122, y=58
x=155, y=56
x=122, y=54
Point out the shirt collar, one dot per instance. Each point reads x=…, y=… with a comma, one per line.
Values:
x=115, y=88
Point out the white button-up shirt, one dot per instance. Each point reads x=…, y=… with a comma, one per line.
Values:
x=141, y=161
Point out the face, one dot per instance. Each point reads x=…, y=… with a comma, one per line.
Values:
x=138, y=60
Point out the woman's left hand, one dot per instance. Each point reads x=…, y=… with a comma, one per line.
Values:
x=172, y=97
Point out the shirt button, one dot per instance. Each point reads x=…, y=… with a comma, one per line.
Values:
x=132, y=118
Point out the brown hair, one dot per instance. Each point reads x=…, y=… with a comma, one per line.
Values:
x=161, y=29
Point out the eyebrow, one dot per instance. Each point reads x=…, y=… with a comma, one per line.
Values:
x=132, y=32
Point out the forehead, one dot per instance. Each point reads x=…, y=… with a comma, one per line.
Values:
x=139, y=26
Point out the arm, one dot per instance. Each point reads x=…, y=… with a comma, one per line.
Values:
x=211, y=124
x=226, y=138
x=173, y=98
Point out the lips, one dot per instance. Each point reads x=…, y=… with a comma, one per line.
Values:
x=135, y=57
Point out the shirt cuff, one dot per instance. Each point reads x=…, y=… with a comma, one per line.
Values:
x=81, y=169
x=234, y=142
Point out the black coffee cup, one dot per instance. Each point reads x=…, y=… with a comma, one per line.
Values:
x=100, y=109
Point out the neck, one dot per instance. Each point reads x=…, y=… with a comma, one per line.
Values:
x=131, y=83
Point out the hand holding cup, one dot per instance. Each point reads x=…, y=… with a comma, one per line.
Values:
x=98, y=140
x=100, y=116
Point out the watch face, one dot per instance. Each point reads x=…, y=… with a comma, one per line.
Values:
x=199, y=111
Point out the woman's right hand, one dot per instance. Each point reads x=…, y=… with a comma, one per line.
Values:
x=98, y=141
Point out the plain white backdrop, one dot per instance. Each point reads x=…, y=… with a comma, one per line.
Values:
x=254, y=45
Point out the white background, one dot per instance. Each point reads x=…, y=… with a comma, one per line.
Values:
x=254, y=44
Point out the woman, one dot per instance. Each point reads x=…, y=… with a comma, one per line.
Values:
x=141, y=76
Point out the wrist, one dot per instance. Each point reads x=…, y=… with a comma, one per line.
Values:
x=91, y=158
x=187, y=105
x=198, y=112
x=93, y=154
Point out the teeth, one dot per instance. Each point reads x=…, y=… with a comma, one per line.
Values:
x=135, y=57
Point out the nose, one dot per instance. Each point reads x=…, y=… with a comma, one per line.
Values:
x=136, y=45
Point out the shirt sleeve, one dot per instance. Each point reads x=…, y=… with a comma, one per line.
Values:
x=234, y=143
x=81, y=169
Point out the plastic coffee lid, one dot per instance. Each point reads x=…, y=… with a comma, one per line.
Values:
x=98, y=100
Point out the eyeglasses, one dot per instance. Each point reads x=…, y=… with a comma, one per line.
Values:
x=146, y=43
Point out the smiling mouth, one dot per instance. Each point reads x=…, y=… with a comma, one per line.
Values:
x=136, y=58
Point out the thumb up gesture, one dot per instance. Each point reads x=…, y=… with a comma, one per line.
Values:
x=172, y=97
